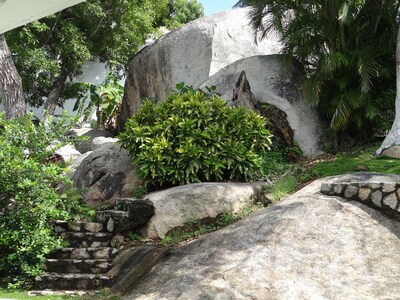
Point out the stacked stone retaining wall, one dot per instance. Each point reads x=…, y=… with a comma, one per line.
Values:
x=384, y=196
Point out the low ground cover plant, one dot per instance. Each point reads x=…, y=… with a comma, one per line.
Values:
x=194, y=136
x=29, y=200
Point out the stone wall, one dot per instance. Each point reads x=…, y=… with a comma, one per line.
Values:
x=384, y=196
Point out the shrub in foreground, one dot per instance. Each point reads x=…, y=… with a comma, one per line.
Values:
x=194, y=136
x=28, y=197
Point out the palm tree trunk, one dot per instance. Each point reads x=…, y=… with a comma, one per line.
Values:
x=393, y=137
x=10, y=84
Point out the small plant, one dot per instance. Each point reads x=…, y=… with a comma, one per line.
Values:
x=105, y=97
x=283, y=186
x=139, y=191
x=196, y=228
x=133, y=236
x=195, y=136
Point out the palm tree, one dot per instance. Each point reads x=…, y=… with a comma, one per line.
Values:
x=346, y=48
x=393, y=137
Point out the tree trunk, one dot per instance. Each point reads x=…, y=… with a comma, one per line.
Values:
x=55, y=94
x=11, y=92
x=393, y=137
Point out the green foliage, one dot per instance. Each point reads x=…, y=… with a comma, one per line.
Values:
x=28, y=197
x=179, y=12
x=282, y=186
x=348, y=162
x=106, y=97
x=23, y=295
x=347, y=49
x=194, y=136
x=49, y=51
x=139, y=191
x=196, y=228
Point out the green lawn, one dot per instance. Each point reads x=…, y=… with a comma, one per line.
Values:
x=349, y=162
x=23, y=295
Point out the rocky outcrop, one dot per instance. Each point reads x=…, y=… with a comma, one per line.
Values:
x=272, y=83
x=393, y=152
x=90, y=134
x=179, y=205
x=308, y=246
x=191, y=54
x=106, y=173
x=282, y=134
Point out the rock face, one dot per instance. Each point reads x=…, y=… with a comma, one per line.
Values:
x=191, y=54
x=393, y=152
x=282, y=133
x=106, y=173
x=272, y=84
x=176, y=206
x=308, y=246
x=90, y=133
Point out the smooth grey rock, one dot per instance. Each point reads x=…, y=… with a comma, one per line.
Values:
x=377, y=198
x=101, y=141
x=364, y=193
x=132, y=264
x=325, y=188
x=106, y=174
x=337, y=189
x=390, y=200
x=68, y=153
x=90, y=133
x=393, y=152
x=308, y=246
x=350, y=191
x=73, y=165
x=271, y=83
x=388, y=187
x=191, y=54
x=176, y=206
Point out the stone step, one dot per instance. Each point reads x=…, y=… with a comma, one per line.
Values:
x=129, y=215
x=102, y=216
x=114, y=220
x=85, y=253
x=56, y=281
x=91, y=266
x=124, y=203
x=64, y=226
x=87, y=239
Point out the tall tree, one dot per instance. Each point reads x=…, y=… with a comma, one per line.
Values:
x=50, y=51
x=10, y=84
x=347, y=49
x=393, y=137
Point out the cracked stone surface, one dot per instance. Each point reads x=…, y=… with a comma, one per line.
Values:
x=308, y=246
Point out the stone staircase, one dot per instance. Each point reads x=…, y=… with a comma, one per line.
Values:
x=92, y=247
x=81, y=266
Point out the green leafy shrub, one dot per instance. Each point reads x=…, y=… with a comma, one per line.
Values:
x=28, y=197
x=195, y=136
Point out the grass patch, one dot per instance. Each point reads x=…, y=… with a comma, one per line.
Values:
x=282, y=187
x=357, y=160
x=23, y=295
x=194, y=229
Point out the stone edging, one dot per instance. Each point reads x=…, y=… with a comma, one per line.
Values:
x=383, y=196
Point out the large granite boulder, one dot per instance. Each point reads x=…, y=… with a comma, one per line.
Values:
x=308, y=246
x=106, y=173
x=191, y=54
x=176, y=206
x=272, y=83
